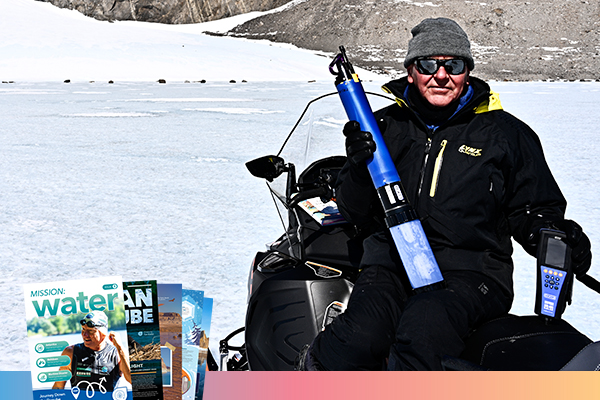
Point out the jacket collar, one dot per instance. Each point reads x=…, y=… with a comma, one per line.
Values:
x=483, y=99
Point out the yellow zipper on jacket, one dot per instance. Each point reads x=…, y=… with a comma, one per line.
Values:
x=437, y=168
x=423, y=168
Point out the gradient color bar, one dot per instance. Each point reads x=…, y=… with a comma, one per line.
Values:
x=402, y=385
x=16, y=385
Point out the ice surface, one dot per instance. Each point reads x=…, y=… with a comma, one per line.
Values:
x=159, y=192
x=162, y=192
x=148, y=181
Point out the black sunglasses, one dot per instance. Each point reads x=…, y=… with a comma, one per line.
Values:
x=428, y=66
x=90, y=324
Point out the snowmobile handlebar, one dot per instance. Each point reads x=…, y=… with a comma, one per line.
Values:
x=589, y=281
x=323, y=192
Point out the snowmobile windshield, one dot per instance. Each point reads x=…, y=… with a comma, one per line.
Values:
x=317, y=134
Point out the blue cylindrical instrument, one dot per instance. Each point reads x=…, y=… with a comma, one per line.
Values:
x=401, y=219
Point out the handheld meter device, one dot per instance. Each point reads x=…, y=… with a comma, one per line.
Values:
x=554, y=275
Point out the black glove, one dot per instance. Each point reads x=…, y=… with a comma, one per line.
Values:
x=581, y=252
x=359, y=144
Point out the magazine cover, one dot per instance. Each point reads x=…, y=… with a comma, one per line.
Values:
x=143, y=337
x=203, y=353
x=192, y=305
x=325, y=213
x=78, y=339
x=169, y=311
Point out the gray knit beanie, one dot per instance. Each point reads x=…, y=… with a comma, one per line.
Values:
x=439, y=37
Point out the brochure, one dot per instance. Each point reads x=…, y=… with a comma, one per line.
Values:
x=203, y=343
x=169, y=311
x=78, y=339
x=143, y=335
x=193, y=301
x=325, y=213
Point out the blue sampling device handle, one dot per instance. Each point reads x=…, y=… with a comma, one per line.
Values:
x=401, y=219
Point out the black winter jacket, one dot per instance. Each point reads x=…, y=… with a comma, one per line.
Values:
x=478, y=180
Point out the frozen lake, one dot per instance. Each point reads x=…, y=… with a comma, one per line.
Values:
x=147, y=181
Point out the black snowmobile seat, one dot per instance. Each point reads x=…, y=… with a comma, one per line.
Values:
x=526, y=343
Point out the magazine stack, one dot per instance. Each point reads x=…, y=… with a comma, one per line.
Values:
x=103, y=338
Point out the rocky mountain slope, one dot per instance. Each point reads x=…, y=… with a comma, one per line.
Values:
x=511, y=39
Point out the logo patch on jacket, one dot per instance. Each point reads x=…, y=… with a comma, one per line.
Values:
x=470, y=151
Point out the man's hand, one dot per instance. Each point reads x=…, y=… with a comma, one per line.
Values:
x=581, y=253
x=115, y=342
x=359, y=144
x=123, y=359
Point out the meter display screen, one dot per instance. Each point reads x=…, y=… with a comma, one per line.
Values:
x=555, y=253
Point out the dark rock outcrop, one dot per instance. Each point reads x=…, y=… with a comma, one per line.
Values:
x=166, y=11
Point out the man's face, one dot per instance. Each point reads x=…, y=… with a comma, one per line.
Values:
x=441, y=88
x=92, y=337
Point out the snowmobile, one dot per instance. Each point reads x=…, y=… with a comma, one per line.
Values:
x=304, y=278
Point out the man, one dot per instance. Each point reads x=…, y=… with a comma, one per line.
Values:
x=476, y=176
x=98, y=361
